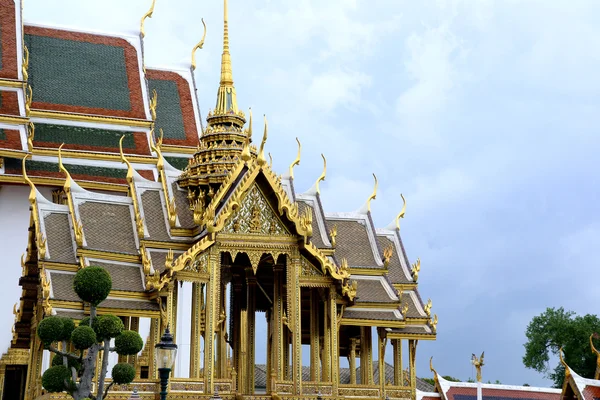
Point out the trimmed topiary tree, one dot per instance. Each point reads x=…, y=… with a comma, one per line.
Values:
x=74, y=373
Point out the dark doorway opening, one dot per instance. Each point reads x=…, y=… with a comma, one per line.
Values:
x=14, y=382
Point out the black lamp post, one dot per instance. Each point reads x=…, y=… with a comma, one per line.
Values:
x=165, y=353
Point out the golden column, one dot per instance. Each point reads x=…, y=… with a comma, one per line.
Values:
x=251, y=328
x=326, y=358
x=352, y=360
x=237, y=333
x=278, y=322
x=366, y=356
x=381, y=342
x=221, y=332
x=398, y=372
x=212, y=305
x=155, y=334
x=315, y=376
x=335, y=359
x=36, y=353
x=294, y=273
x=196, y=329
x=269, y=347
x=412, y=356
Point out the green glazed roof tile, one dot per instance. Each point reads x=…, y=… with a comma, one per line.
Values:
x=78, y=135
x=77, y=73
x=2, y=134
x=178, y=162
x=13, y=165
x=168, y=111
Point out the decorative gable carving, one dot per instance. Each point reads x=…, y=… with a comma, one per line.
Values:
x=308, y=269
x=255, y=216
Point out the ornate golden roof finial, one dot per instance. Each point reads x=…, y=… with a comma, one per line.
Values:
x=30, y=135
x=147, y=15
x=296, y=161
x=226, y=98
x=153, y=104
x=32, y=194
x=323, y=174
x=261, y=153
x=246, y=150
x=562, y=361
x=198, y=46
x=597, y=353
x=28, y=100
x=25, y=65
x=373, y=195
x=478, y=363
x=431, y=366
x=123, y=159
x=62, y=168
x=270, y=161
x=402, y=212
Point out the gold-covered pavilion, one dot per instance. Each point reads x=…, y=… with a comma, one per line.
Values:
x=141, y=188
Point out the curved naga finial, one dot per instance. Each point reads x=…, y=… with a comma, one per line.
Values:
x=373, y=195
x=147, y=15
x=562, y=361
x=431, y=366
x=62, y=168
x=246, y=156
x=198, y=46
x=261, y=153
x=296, y=161
x=125, y=160
x=402, y=212
x=32, y=195
x=323, y=174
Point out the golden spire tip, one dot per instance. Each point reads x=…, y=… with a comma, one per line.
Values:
x=296, y=161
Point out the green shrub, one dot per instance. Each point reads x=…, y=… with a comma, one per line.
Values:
x=58, y=360
x=128, y=343
x=50, y=329
x=54, y=378
x=68, y=326
x=85, y=321
x=123, y=373
x=107, y=327
x=92, y=285
x=83, y=337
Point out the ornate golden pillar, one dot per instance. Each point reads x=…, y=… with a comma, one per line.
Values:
x=398, y=372
x=296, y=301
x=269, y=348
x=237, y=333
x=366, y=355
x=412, y=358
x=278, y=322
x=196, y=330
x=314, y=337
x=352, y=360
x=251, y=329
x=221, y=332
x=36, y=353
x=155, y=334
x=213, y=301
x=381, y=342
x=326, y=358
x=335, y=358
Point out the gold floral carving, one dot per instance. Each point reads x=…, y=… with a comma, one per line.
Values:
x=45, y=286
x=307, y=269
x=416, y=267
x=255, y=216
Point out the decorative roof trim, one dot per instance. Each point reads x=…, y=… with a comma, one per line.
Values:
x=391, y=292
x=396, y=312
x=421, y=395
x=318, y=212
x=417, y=302
x=394, y=236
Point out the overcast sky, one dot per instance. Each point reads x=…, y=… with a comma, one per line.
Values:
x=484, y=114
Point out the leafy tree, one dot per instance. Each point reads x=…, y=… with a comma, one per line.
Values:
x=74, y=372
x=556, y=328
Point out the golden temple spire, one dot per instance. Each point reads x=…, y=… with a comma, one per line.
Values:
x=226, y=97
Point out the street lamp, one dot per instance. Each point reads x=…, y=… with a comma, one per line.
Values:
x=165, y=353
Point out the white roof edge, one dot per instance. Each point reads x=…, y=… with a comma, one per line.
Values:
x=131, y=34
x=503, y=387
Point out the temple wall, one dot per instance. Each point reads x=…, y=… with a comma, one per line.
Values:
x=14, y=222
